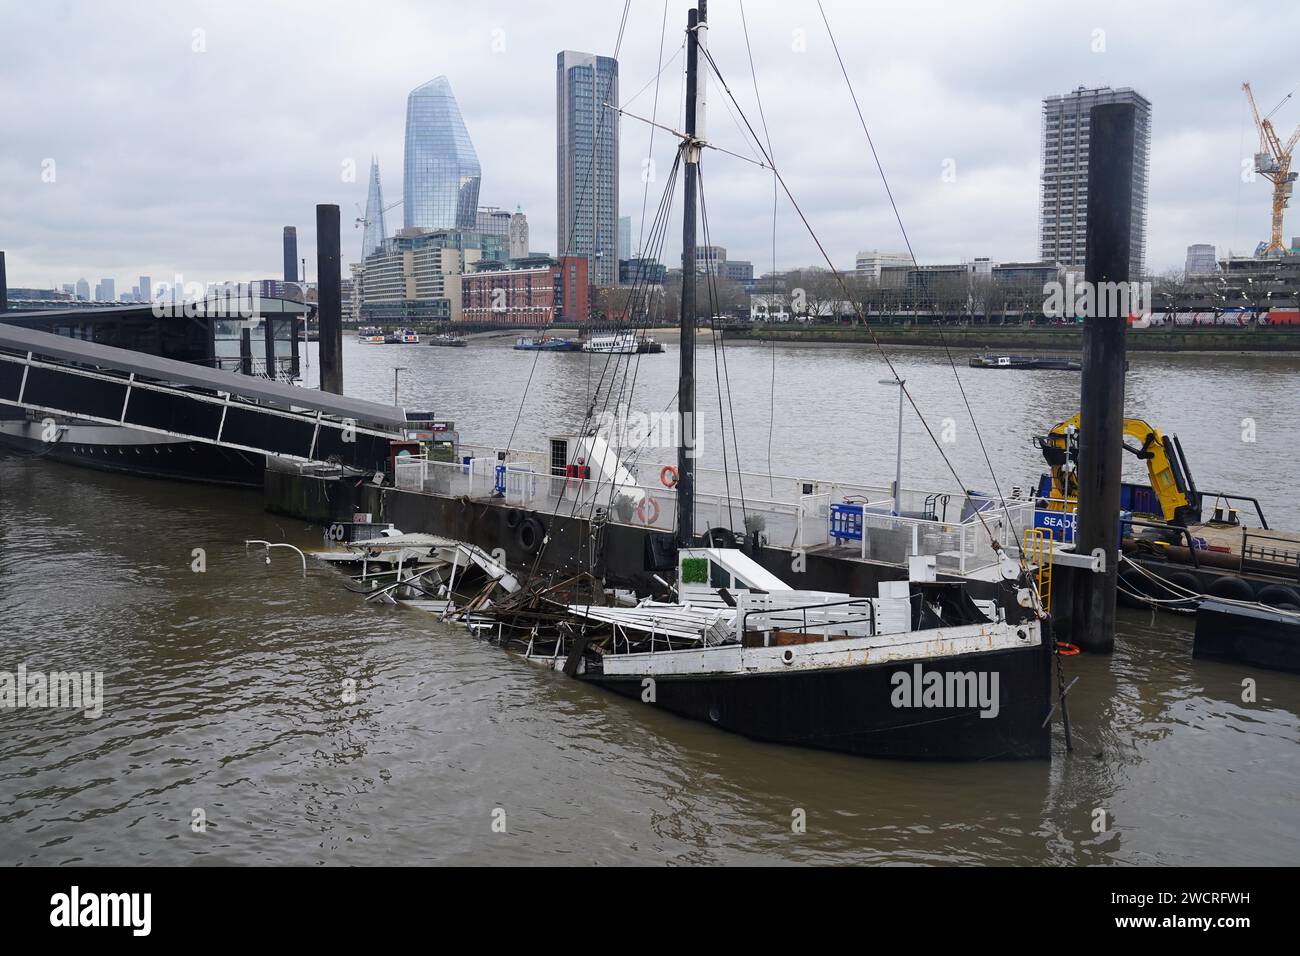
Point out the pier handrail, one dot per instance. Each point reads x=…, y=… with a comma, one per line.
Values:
x=481, y=450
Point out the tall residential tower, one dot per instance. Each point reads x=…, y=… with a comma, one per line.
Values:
x=290, y=254
x=1063, y=210
x=586, y=160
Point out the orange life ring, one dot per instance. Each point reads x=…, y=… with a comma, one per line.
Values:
x=668, y=476
x=1066, y=649
x=651, y=505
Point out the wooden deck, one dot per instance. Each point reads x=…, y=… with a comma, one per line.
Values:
x=1235, y=538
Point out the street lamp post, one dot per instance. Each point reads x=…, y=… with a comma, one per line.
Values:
x=898, y=461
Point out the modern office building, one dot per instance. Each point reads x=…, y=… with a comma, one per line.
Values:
x=492, y=221
x=1242, y=280
x=416, y=276
x=1024, y=285
x=146, y=289
x=869, y=264
x=352, y=303
x=535, y=294
x=709, y=260
x=1201, y=260
x=586, y=143
x=518, y=235
x=374, y=230
x=737, y=270
x=83, y=290
x=105, y=290
x=641, y=271
x=441, y=175
x=1063, y=208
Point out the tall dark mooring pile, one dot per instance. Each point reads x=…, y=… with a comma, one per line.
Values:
x=329, y=300
x=1101, y=408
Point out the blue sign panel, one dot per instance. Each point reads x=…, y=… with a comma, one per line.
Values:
x=1060, y=525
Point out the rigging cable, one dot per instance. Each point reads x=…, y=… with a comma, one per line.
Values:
x=720, y=347
x=654, y=115
x=573, y=225
x=771, y=296
x=840, y=279
x=659, y=229
x=898, y=217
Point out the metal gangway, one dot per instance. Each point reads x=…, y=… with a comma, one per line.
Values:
x=57, y=375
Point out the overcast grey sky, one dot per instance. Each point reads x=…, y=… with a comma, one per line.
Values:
x=162, y=137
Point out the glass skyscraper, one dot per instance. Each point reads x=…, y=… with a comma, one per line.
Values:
x=587, y=162
x=373, y=236
x=440, y=180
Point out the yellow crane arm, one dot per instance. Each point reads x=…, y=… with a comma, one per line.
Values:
x=1290, y=143
x=1169, y=485
x=1259, y=123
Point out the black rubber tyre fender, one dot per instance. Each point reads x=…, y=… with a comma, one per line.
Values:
x=720, y=538
x=514, y=517
x=1229, y=587
x=1185, y=580
x=1275, y=595
x=529, y=535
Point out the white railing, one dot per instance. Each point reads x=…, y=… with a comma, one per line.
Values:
x=814, y=521
x=959, y=547
x=803, y=612
x=961, y=544
x=514, y=456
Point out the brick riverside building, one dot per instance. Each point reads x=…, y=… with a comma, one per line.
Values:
x=526, y=296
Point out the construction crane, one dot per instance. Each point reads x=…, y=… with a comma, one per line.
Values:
x=1273, y=162
x=363, y=222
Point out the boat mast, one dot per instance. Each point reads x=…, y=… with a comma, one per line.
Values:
x=696, y=31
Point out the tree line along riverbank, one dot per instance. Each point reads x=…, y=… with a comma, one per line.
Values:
x=985, y=338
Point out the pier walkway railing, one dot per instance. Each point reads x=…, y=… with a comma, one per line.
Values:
x=60, y=377
x=946, y=525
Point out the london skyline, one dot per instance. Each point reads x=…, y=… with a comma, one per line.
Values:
x=248, y=147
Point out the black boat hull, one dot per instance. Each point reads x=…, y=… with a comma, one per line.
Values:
x=132, y=452
x=852, y=709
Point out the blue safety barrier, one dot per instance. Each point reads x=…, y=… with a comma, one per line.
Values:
x=846, y=522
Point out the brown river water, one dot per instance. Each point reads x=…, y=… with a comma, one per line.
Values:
x=224, y=690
